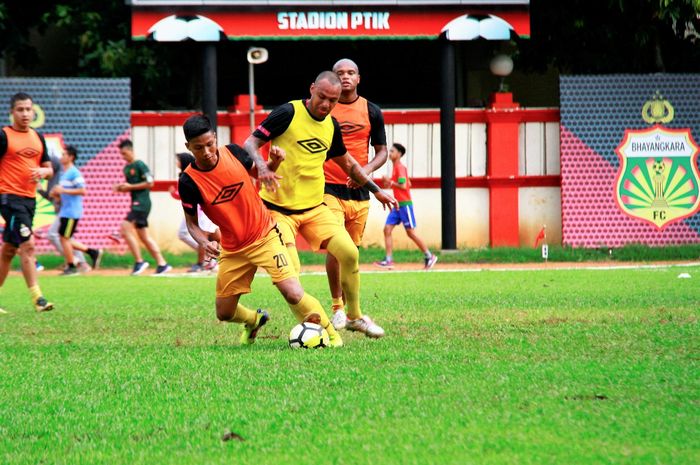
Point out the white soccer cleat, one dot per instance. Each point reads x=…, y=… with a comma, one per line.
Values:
x=365, y=325
x=339, y=319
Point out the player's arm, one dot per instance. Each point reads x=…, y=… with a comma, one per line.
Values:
x=377, y=137
x=361, y=178
x=44, y=171
x=147, y=182
x=191, y=197
x=274, y=125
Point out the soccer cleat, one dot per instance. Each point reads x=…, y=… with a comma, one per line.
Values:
x=211, y=265
x=162, y=269
x=335, y=340
x=365, y=325
x=139, y=267
x=388, y=264
x=41, y=305
x=339, y=319
x=70, y=271
x=84, y=267
x=96, y=257
x=429, y=262
x=196, y=268
x=39, y=266
x=250, y=332
x=115, y=237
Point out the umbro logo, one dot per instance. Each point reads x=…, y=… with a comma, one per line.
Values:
x=348, y=127
x=228, y=193
x=28, y=152
x=313, y=145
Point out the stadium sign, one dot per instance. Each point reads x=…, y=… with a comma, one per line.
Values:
x=658, y=177
x=350, y=23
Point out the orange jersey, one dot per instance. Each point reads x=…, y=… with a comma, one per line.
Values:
x=361, y=122
x=25, y=151
x=228, y=198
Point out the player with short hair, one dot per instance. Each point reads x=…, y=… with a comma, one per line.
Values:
x=401, y=185
x=361, y=123
x=138, y=183
x=310, y=136
x=24, y=162
x=219, y=181
x=70, y=191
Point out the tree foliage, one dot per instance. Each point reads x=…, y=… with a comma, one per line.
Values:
x=612, y=36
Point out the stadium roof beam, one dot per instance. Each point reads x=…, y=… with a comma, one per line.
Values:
x=210, y=21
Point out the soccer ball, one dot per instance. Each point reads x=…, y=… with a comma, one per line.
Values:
x=308, y=335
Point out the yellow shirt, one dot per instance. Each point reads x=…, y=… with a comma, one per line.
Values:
x=306, y=143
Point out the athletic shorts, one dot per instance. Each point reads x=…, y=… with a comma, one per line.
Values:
x=316, y=226
x=237, y=268
x=18, y=214
x=67, y=227
x=351, y=213
x=140, y=219
x=404, y=214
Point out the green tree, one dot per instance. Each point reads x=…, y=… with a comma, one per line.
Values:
x=613, y=36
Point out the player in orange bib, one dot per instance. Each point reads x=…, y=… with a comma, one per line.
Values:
x=362, y=124
x=219, y=181
x=24, y=162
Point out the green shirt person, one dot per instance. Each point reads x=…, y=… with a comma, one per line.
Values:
x=135, y=227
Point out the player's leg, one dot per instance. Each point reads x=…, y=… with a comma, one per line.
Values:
x=233, y=279
x=392, y=219
x=338, y=209
x=18, y=232
x=65, y=232
x=128, y=232
x=409, y=223
x=271, y=254
x=151, y=245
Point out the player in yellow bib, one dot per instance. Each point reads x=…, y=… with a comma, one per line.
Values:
x=310, y=136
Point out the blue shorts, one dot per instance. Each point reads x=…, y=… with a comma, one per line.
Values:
x=404, y=214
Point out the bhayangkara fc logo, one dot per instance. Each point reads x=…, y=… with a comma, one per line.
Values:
x=658, y=177
x=227, y=193
x=313, y=145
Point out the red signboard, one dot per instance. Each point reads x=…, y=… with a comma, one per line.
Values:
x=340, y=23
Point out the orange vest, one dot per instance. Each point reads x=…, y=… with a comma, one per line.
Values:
x=232, y=202
x=353, y=119
x=24, y=152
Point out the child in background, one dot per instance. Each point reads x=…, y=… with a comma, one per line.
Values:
x=183, y=160
x=401, y=185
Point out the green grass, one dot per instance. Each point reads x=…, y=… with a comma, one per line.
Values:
x=491, y=367
x=636, y=253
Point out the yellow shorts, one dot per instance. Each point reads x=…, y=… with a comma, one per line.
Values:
x=316, y=226
x=237, y=269
x=351, y=213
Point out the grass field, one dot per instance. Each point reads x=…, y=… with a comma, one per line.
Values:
x=507, y=367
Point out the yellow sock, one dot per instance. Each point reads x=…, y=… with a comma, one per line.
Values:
x=345, y=251
x=309, y=304
x=35, y=292
x=338, y=303
x=244, y=315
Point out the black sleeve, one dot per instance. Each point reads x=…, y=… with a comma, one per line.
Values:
x=45, y=155
x=3, y=143
x=276, y=122
x=337, y=146
x=189, y=194
x=242, y=156
x=377, y=135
